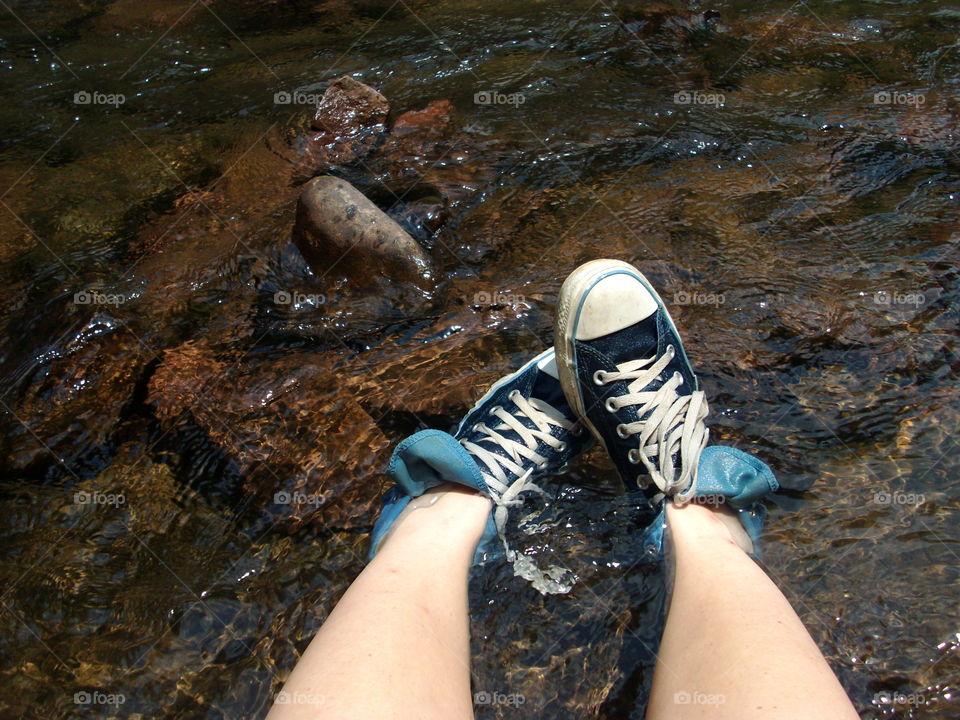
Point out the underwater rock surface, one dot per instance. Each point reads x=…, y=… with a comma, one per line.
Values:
x=787, y=176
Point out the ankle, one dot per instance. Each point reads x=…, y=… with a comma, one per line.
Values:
x=449, y=515
x=707, y=525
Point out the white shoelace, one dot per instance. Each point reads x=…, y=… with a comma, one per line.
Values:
x=496, y=468
x=674, y=422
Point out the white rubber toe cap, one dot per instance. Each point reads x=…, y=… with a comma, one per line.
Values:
x=615, y=302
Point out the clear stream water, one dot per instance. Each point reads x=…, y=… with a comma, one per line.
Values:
x=786, y=173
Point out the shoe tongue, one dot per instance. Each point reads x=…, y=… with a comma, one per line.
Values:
x=548, y=388
x=545, y=388
x=639, y=385
x=636, y=341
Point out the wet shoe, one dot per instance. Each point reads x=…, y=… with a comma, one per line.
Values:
x=624, y=371
x=521, y=430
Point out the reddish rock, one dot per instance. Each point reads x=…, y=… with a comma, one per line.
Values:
x=435, y=118
x=300, y=443
x=440, y=371
x=426, y=151
x=72, y=414
x=350, y=117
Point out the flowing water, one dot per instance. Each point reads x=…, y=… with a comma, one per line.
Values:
x=190, y=466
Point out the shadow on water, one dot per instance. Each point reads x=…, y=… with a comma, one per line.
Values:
x=195, y=422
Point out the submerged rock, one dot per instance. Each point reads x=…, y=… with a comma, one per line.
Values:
x=307, y=449
x=340, y=231
x=126, y=15
x=423, y=220
x=350, y=117
x=660, y=18
x=15, y=239
x=101, y=195
x=493, y=224
x=434, y=120
x=436, y=373
x=67, y=419
x=427, y=153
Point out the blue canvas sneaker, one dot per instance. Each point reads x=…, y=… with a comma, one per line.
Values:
x=624, y=371
x=521, y=430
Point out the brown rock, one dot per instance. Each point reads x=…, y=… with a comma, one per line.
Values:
x=300, y=441
x=350, y=118
x=340, y=231
x=433, y=119
x=72, y=414
x=441, y=371
x=147, y=14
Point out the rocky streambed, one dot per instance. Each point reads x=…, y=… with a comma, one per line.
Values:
x=230, y=295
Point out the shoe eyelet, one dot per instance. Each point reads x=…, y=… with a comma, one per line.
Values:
x=611, y=405
x=542, y=466
x=621, y=432
x=633, y=456
x=679, y=376
x=576, y=430
x=493, y=410
x=671, y=350
x=597, y=380
x=562, y=448
x=513, y=394
x=476, y=427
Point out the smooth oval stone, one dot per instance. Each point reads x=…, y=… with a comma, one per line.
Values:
x=341, y=232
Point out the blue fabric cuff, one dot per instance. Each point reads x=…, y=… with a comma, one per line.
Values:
x=430, y=458
x=741, y=478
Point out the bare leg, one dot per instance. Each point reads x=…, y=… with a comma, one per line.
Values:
x=733, y=647
x=397, y=644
